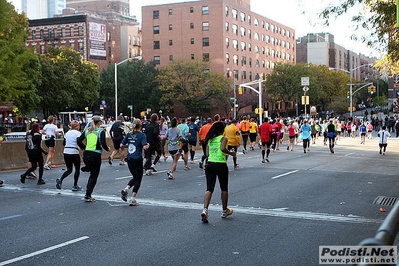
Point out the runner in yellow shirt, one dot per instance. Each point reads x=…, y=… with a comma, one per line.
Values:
x=232, y=133
x=253, y=133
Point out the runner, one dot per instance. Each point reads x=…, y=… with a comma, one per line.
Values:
x=305, y=131
x=253, y=133
x=264, y=131
x=202, y=135
x=244, y=129
x=331, y=134
x=231, y=132
x=383, y=135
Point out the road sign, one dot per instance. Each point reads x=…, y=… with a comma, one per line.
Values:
x=305, y=81
x=130, y=107
x=305, y=100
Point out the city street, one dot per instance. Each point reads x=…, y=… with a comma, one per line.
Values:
x=283, y=211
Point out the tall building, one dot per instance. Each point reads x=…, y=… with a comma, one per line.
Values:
x=225, y=32
x=37, y=9
x=320, y=49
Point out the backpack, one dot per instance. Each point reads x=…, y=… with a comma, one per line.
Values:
x=29, y=145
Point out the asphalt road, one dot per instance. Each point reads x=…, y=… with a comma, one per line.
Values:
x=283, y=211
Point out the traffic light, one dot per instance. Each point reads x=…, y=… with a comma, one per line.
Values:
x=239, y=90
x=347, y=94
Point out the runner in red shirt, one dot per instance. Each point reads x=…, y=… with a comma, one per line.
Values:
x=265, y=130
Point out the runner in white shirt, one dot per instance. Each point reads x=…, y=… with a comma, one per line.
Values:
x=50, y=130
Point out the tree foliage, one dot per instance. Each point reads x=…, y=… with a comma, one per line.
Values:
x=325, y=85
x=67, y=81
x=136, y=86
x=18, y=65
x=193, y=85
x=377, y=17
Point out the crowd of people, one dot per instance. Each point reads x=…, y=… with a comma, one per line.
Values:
x=144, y=143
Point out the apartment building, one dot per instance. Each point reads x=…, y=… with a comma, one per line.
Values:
x=225, y=32
x=320, y=49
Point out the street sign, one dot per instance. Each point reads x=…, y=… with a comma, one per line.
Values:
x=305, y=100
x=130, y=107
x=305, y=81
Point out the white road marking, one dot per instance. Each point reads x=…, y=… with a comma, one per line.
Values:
x=349, y=154
x=198, y=206
x=43, y=250
x=277, y=176
x=10, y=217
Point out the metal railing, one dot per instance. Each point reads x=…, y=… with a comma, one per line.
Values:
x=386, y=233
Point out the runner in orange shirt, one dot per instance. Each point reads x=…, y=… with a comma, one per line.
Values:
x=202, y=135
x=244, y=128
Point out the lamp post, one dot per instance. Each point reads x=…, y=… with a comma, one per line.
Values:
x=350, y=72
x=116, y=80
x=351, y=87
x=259, y=92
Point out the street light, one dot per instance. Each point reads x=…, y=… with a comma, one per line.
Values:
x=350, y=72
x=351, y=87
x=116, y=81
x=259, y=92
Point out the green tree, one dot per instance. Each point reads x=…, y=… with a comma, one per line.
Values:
x=18, y=65
x=136, y=87
x=192, y=84
x=67, y=81
x=377, y=17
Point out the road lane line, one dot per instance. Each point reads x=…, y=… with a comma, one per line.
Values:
x=43, y=250
x=275, y=212
x=10, y=217
x=277, y=176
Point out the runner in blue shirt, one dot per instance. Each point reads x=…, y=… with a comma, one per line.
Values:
x=306, y=129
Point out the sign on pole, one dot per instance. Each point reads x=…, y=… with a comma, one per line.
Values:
x=305, y=80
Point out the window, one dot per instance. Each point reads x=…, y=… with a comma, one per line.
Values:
x=263, y=24
x=205, y=57
x=272, y=28
x=80, y=31
x=243, y=61
x=205, y=25
x=283, y=44
x=157, y=60
x=235, y=44
x=170, y=12
x=192, y=25
x=205, y=41
x=256, y=36
x=256, y=22
x=170, y=42
x=71, y=30
x=267, y=39
x=63, y=32
x=156, y=44
x=249, y=34
x=234, y=28
x=257, y=63
x=267, y=51
x=263, y=50
x=256, y=49
x=42, y=49
x=155, y=14
x=227, y=42
x=288, y=33
x=243, y=74
x=249, y=19
x=243, y=46
x=50, y=33
x=243, y=31
x=234, y=13
x=130, y=39
x=227, y=26
x=250, y=62
x=205, y=10
x=263, y=63
x=242, y=16
x=41, y=33
x=235, y=59
x=33, y=34
x=249, y=47
x=192, y=57
x=170, y=27
x=267, y=26
x=191, y=9
x=109, y=36
x=226, y=10
x=170, y=57
x=192, y=40
x=156, y=29
x=272, y=41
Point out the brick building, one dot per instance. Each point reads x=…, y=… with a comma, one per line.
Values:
x=103, y=33
x=225, y=32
